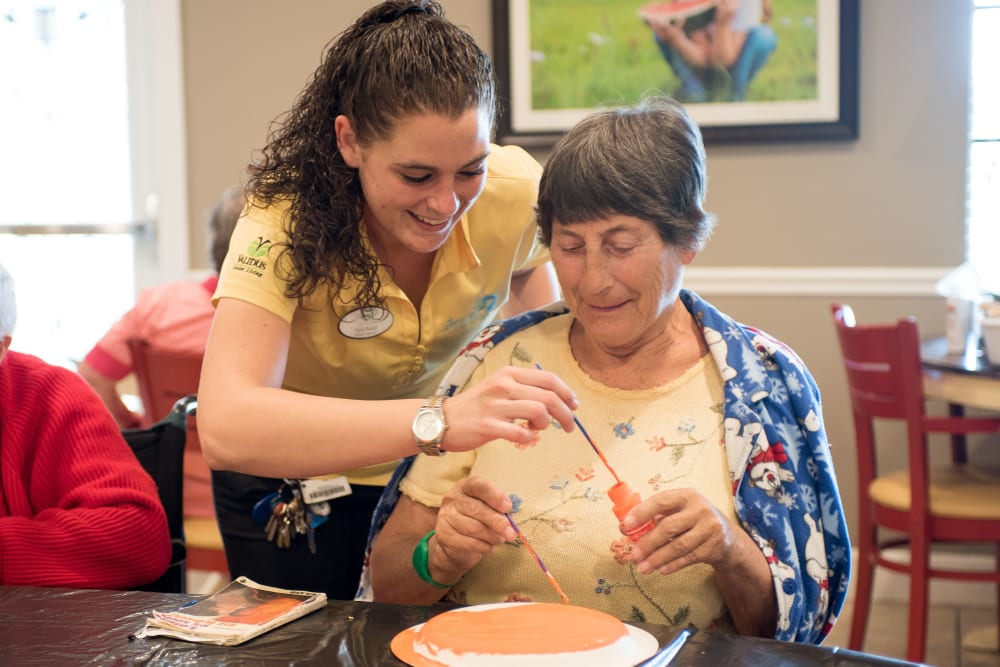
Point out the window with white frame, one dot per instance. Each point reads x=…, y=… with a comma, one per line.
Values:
x=65, y=139
x=984, y=146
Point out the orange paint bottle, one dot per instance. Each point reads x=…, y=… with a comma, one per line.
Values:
x=624, y=499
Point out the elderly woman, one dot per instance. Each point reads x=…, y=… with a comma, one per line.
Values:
x=716, y=425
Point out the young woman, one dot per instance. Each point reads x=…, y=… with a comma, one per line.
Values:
x=384, y=230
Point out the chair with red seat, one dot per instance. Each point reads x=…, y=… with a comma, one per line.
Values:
x=923, y=505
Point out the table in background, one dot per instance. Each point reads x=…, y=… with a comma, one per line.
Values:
x=965, y=379
x=66, y=626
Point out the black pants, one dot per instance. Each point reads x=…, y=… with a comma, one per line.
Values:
x=340, y=542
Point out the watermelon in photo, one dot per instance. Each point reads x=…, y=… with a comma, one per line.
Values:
x=694, y=13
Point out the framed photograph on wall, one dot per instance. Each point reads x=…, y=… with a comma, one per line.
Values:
x=791, y=73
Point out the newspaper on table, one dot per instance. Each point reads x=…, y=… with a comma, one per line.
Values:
x=241, y=611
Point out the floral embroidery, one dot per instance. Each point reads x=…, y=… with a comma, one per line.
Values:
x=624, y=429
x=515, y=503
x=687, y=425
x=658, y=444
x=680, y=616
x=562, y=525
x=622, y=549
x=637, y=616
x=520, y=354
x=655, y=481
x=605, y=587
x=584, y=473
x=554, y=516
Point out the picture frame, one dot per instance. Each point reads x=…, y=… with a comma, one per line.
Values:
x=830, y=113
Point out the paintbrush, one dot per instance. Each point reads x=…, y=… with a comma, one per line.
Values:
x=527, y=545
x=593, y=446
x=621, y=495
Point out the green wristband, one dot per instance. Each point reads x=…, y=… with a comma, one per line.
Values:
x=420, y=563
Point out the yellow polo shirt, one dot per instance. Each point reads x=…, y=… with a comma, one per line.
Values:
x=336, y=350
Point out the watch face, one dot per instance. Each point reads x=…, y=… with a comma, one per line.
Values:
x=427, y=426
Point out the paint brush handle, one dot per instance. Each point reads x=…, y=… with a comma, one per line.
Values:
x=590, y=442
x=534, y=554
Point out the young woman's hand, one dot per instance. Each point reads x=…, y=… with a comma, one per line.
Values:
x=512, y=404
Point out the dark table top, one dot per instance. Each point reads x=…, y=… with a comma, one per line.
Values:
x=65, y=626
x=934, y=354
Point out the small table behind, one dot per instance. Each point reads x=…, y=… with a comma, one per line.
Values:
x=966, y=379
x=66, y=626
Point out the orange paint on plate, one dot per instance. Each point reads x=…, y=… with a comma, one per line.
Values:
x=523, y=629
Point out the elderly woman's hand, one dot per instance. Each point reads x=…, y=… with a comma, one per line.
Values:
x=470, y=524
x=512, y=404
x=689, y=529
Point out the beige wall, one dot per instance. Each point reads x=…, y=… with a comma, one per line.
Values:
x=893, y=198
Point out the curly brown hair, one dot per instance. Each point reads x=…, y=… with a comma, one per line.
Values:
x=399, y=59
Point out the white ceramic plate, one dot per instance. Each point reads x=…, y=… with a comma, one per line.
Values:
x=402, y=646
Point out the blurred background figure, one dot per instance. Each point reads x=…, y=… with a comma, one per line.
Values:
x=76, y=507
x=175, y=317
x=715, y=62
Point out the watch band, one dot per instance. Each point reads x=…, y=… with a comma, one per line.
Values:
x=432, y=447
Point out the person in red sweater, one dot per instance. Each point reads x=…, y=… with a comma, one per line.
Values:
x=76, y=508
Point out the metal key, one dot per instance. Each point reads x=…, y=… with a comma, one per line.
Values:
x=285, y=530
x=297, y=513
x=274, y=522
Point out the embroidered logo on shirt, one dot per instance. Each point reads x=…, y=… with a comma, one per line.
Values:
x=259, y=247
x=484, y=306
x=252, y=262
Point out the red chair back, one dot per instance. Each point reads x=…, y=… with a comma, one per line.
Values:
x=885, y=381
x=163, y=378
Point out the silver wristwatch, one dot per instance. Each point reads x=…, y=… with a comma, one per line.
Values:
x=429, y=426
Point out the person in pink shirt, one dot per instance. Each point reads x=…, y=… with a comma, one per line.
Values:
x=176, y=317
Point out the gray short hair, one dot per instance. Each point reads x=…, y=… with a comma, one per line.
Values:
x=221, y=223
x=645, y=161
x=8, y=307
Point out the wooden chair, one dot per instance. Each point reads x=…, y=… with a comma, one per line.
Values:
x=163, y=378
x=922, y=505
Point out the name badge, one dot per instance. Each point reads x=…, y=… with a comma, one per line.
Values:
x=321, y=490
x=365, y=323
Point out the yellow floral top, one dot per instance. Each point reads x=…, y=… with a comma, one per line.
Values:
x=667, y=437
